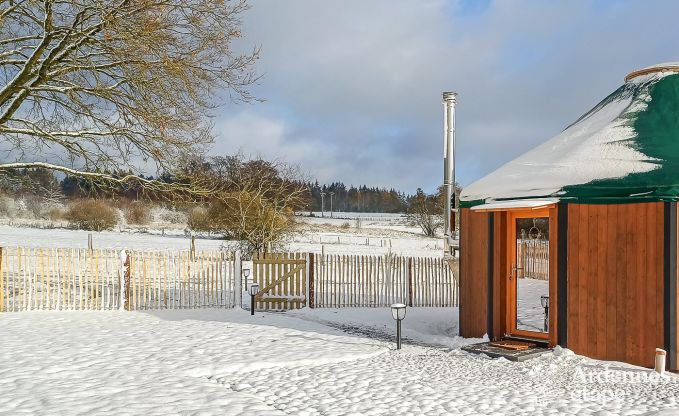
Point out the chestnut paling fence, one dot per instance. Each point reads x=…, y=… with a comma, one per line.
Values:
x=82, y=279
x=532, y=258
x=378, y=281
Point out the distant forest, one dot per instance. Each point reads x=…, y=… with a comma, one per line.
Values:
x=358, y=199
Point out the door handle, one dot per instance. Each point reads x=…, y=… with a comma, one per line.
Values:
x=514, y=270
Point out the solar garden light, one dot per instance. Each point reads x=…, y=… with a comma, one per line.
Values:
x=398, y=312
x=246, y=274
x=254, y=290
x=544, y=301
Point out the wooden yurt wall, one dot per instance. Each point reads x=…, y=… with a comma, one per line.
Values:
x=501, y=270
x=676, y=307
x=473, y=273
x=616, y=280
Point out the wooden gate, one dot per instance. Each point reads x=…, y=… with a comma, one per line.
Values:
x=282, y=279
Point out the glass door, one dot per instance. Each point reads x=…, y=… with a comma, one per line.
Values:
x=529, y=277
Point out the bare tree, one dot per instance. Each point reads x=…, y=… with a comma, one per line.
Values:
x=426, y=211
x=90, y=88
x=256, y=200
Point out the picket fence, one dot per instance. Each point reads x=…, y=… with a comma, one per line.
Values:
x=379, y=281
x=532, y=258
x=82, y=279
x=184, y=279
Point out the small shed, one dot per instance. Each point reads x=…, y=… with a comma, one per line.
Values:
x=574, y=243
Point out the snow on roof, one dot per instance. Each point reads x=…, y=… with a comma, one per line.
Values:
x=516, y=204
x=603, y=145
x=664, y=67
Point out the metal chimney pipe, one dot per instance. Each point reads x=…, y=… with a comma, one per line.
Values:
x=449, y=101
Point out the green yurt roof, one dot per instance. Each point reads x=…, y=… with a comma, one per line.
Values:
x=625, y=149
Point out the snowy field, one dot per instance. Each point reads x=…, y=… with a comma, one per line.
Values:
x=364, y=233
x=375, y=234
x=224, y=362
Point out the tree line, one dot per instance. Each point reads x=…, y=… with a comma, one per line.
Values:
x=46, y=184
x=356, y=199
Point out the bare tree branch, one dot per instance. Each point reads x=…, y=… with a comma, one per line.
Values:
x=102, y=86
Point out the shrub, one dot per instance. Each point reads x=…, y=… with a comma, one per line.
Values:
x=199, y=220
x=172, y=216
x=35, y=205
x=91, y=214
x=7, y=207
x=345, y=225
x=138, y=213
x=55, y=214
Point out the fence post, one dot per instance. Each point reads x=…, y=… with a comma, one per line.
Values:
x=237, y=283
x=310, y=287
x=2, y=285
x=410, y=281
x=125, y=278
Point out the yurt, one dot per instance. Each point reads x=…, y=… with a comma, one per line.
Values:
x=574, y=243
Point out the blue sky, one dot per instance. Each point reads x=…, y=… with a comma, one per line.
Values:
x=353, y=88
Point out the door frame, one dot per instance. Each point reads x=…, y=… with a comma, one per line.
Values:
x=510, y=301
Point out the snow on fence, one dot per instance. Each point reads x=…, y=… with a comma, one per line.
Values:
x=533, y=258
x=374, y=281
x=82, y=279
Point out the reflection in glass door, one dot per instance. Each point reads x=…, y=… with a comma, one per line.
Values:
x=531, y=274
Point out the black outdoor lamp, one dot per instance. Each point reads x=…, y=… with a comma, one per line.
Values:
x=398, y=312
x=544, y=301
x=254, y=290
x=246, y=274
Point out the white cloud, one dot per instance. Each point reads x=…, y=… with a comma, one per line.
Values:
x=353, y=87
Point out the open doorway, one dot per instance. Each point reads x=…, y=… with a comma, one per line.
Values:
x=529, y=278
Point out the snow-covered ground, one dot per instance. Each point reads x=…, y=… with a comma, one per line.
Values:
x=364, y=233
x=374, y=234
x=224, y=362
x=432, y=326
x=530, y=315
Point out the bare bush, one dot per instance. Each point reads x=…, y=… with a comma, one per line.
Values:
x=7, y=209
x=172, y=216
x=256, y=201
x=91, y=214
x=137, y=213
x=425, y=211
x=199, y=220
x=35, y=205
x=55, y=214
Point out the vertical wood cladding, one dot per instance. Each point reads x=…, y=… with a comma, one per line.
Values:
x=615, y=281
x=473, y=273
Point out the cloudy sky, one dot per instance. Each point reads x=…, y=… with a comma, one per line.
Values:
x=353, y=87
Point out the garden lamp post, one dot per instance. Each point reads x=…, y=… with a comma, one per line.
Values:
x=398, y=312
x=254, y=290
x=544, y=301
x=246, y=274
